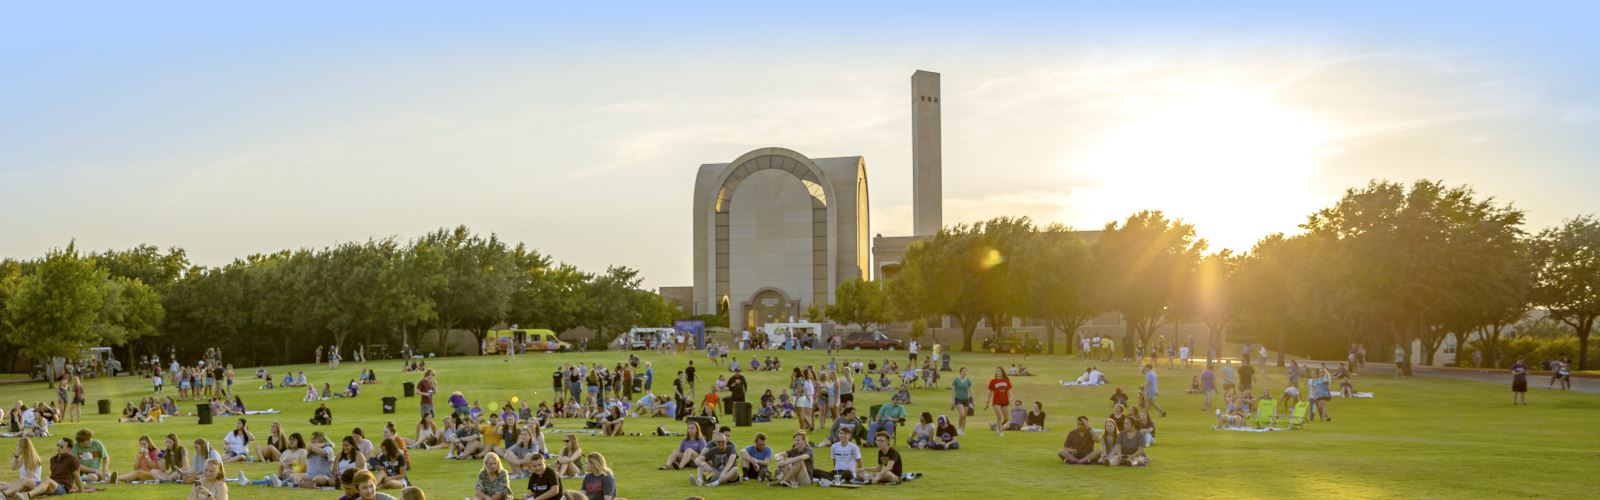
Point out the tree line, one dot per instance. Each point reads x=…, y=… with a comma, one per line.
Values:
x=1387, y=263
x=275, y=308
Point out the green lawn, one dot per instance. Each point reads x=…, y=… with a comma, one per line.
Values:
x=1418, y=438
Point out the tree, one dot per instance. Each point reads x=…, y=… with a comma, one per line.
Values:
x=1405, y=257
x=52, y=311
x=859, y=302
x=475, y=281
x=1057, y=278
x=1146, y=260
x=129, y=312
x=1212, y=296
x=1568, y=282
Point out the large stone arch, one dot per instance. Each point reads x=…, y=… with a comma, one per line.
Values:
x=824, y=218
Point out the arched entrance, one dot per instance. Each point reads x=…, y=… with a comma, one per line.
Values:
x=769, y=305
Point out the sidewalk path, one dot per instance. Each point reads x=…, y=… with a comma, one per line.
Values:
x=1535, y=381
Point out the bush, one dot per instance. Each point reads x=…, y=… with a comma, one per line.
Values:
x=1533, y=350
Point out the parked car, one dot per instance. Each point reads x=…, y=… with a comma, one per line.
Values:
x=870, y=340
x=1014, y=345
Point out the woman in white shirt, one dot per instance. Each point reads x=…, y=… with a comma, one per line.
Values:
x=29, y=469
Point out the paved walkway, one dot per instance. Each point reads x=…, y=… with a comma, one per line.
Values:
x=1536, y=382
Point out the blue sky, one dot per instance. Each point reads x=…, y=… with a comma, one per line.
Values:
x=231, y=129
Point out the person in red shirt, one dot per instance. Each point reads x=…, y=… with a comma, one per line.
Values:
x=999, y=398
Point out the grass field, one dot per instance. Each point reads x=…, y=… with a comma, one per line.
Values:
x=1419, y=438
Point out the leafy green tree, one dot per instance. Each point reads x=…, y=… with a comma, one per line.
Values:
x=52, y=311
x=476, y=281
x=1569, y=277
x=1213, y=295
x=1057, y=276
x=130, y=311
x=859, y=302
x=962, y=272
x=1147, y=259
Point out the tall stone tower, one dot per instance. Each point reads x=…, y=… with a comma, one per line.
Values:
x=927, y=209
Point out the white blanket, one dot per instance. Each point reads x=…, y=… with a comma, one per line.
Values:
x=1355, y=395
x=1244, y=429
x=268, y=411
x=1074, y=383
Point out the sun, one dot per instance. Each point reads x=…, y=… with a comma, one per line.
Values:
x=1227, y=158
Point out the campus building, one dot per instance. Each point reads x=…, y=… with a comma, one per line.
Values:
x=776, y=231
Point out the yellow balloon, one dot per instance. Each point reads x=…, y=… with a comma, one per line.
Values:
x=494, y=407
x=515, y=400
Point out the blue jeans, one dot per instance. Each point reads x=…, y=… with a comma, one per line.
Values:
x=886, y=426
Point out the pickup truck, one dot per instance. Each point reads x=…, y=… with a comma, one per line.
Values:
x=870, y=340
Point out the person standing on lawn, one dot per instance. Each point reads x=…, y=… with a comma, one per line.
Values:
x=1150, y=390
x=999, y=399
x=1208, y=385
x=1519, y=383
x=961, y=395
x=425, y=390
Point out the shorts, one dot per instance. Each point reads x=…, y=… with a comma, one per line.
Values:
x=61, y=489
x=803, y=402
x=752, y=473
x=77, y=401
x=845, y=399
x=967, y=402
x=1519, y=386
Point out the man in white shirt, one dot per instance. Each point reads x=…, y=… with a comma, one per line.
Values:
x=913, y=348
x=846, y=457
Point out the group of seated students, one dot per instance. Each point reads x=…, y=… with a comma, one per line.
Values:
x=766, y=364
x=289, y=379
x=415, y=365
x=1018, y=370
x=225, y=407
x=149, y=409
x=720, y=461
x=1120, y=443
x=67, y=472
x=544, y=477
x=1092, y=376
x=1026, y=420
x=31, y=421
x=940, y=435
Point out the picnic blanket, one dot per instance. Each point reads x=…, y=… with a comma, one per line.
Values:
x=1074, y=383
x=1355, y=395
x=268, y=411
x=1245, y=429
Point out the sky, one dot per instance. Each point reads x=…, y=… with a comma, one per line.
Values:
x=232, y=129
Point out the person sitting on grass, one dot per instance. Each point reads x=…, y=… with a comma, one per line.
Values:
x=1129, y=450
x=311, y=394
x=889, y=416
x=350, y=456
x=922, y=434
x=428, y=434
x=1078, y=449
x=1016, y=416
x=793, y=468
x=1194, y=385
x=29, y=467
x=292, y=465
x=146, y=461
x=688, y=449
x=889, y=466
x=391, y=466
x=567, y=462
x=945, y=435
x=1345, y=389
x=543, y=482
x=719, y=464
x=466, y=443
x=869, y=384
x=757, y=459
x=322, y=415
x=1145, y=426
x=212, y=484
x=846, y=424
x=846, y=458
x=645, y=406
x=611, y=422
x=63, y=477
x=598, y=481
x=767, y=411
x=1119, y=398
x=519, y=457
x=1033, y=421
x=130, y=414
x=92, y=457
x=785, y=404
x=367, y=486
x=276, y=443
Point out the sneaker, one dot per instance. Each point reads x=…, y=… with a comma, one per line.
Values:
x=694, y=479
x=276, y=482
x=22, y=495
x=243, y=479
x=714, y=483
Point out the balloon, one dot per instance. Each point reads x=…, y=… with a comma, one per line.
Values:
x=494, y=407
x=515, y=400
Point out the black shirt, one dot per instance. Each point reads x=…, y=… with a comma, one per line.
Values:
x=718, y=458
x=689, y=372
x=886, y=456
x=1246, y=373
x=544, y=483
x=736, y=385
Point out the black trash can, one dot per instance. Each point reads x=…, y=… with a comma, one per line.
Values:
x=388, y=404
x=708, y=425
x=204, y=412
x=410, y=389
x=741, y=414
x=104, y=406
x=727, y=407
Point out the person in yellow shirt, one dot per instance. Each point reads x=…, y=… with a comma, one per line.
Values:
x=493, y=440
